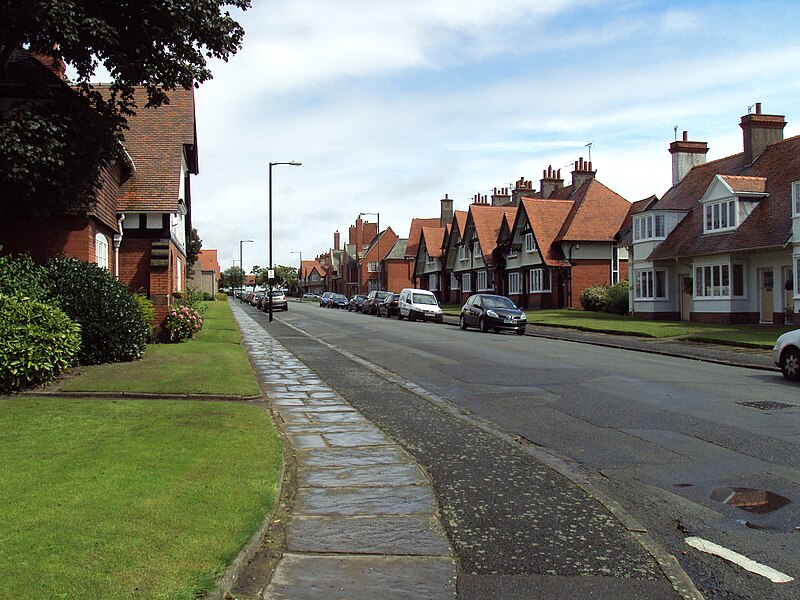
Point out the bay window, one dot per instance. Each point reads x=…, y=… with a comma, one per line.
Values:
x=719, y=281
x=719, y=216
x=650, y=284
x=649, y=227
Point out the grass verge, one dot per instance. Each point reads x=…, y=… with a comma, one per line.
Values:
x=129, y=499
x=214, y=362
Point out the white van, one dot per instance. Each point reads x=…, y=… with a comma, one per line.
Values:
x=418, y=304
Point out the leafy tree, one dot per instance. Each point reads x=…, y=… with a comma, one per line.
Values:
x=194, y=245
x=44, y=130
x=231, y=277
x=286, y=276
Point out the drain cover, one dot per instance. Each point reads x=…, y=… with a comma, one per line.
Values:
x=766, y=405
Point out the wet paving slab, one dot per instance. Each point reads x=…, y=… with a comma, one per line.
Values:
x=364, y=522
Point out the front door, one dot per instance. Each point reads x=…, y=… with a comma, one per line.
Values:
x=686, y=298
x=767, y=297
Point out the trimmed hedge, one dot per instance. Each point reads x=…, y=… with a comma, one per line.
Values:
x=21, y=276
x=606, y=298
x=594, y=297
x=112, y=326
x=37, y=342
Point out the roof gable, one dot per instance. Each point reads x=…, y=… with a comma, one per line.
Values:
x=415, y=231
x=597, y=215
x=546, y=218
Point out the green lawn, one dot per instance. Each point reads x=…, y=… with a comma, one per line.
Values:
x=736, y=335
x=129, y=499
x=214, y=362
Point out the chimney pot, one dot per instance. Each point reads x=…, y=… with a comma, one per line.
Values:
x=685, y=136
x=758, y=108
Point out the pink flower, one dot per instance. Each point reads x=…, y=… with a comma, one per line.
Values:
x=180, y=317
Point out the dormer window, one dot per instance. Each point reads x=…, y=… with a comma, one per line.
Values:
x=530, y=243
x=428, y=259
x=648, y=227
x=512, y=253
x=463, y=253
x=720, y=216
x=476, y=248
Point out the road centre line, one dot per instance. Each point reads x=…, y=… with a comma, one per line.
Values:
x=738, y=559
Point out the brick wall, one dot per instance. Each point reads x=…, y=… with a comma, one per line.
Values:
x=730, y=318
x=398, y=275
x=586, y=273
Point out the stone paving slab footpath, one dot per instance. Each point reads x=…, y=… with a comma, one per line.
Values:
x=365, y=522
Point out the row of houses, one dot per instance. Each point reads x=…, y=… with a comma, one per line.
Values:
x=721, y=245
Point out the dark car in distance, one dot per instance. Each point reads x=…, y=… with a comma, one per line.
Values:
x=356, y=302
x=370, y=306
x=490, y=312
x=323, y=300
x=337, y=301
x=388, y=306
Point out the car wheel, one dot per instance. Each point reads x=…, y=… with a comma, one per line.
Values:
x=790, y=364
x=462, y=322
x=483, y=325
x=497, y=330
x=520, y=332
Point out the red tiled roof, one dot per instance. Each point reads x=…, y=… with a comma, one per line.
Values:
x=597, y=215
x=546, y=218
x=433, y=237
x=745, y=185
x=486, y=220
x=208, y=260
x=625, y=234
x=415, y=231
x=768, y=226
x=308, y=266
x=155, y=141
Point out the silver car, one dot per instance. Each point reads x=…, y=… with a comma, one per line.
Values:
x=279, y=301
x=786, y=354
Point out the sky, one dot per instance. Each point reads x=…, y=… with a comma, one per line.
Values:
x=391, y=104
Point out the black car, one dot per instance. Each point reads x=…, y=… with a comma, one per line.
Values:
x=337, y=301
x=355, y=302
x=370, y=306
x=388, y=306
x=487, y=311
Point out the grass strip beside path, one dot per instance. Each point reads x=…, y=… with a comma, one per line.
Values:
x=129, y=499
x=214, y=362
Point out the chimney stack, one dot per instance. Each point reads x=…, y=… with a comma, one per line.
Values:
x=478, y=199
x=522, y=187
x=759, y=130
x=501, y=197
x=336, y=240
x=550, y=182
x=446, y=212
x=685, y=155
x=582, y=173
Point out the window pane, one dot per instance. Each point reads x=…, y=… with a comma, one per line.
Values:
x=732, y=214
x=698, y=281
x=650, y=226
x=715, y=224
x=545, y=280
x=661, y=284
x=709, y=224
x=659, y=226
x=726, y=283
x=707, y=281
x=738, y=280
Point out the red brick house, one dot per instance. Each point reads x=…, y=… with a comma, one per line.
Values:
x=206, y=272
x=141, y=221
x=311, y=278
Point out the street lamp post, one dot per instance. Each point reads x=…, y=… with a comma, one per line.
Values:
x=241, y=266
x=300, y=252
x=272, y=164
x=379, y=245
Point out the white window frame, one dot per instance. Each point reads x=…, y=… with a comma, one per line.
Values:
x=429, y=259
x=372, y=285
x=796, y=198
x=178, y=274
x=454, y=285
x=466, y=282
x=514, y=283
x=481, y=281
x=372, y=266
x=101, y=251
x=649, y=227
x=433, y=282
x=512, y=253
x=463, y=253
x=614, y=264
x=476, y=248
x=709, y=281
x=646, y=284
x=540, y=281
x=721, y=216
x=315, y=277
x=530, y=243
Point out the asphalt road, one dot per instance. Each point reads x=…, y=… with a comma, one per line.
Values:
x=668, y=438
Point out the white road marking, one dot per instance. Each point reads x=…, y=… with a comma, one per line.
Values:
x=738, y=559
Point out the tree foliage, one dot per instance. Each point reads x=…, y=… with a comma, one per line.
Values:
x=44, y=130
x=231, y=277
x=194, y=245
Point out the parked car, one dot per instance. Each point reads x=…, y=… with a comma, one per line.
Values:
x=487, y=311
x=388, y=306
x=418, y=304
x=370, y=306
x=323, y=300
x=249, y=297
x=356, y=302
x=786, y=354
x=310, y=296
x=337, y=301
x=279, y=301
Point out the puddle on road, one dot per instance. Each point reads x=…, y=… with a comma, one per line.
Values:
x=681, y=485
x=755, y=501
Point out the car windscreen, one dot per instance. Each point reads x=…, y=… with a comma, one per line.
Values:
x=382, y=295
x=423, y=299
x=497, y=302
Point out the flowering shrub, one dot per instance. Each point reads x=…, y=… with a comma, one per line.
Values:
x=183, y=322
